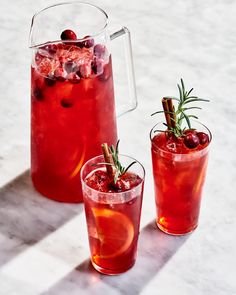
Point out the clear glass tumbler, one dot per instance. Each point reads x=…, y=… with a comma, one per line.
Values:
x=178, y=181
x=113, y=220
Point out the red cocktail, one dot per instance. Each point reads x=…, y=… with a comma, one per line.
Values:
x=179, y=158
x=113, y=215
x=179, y=175
x=72, y=113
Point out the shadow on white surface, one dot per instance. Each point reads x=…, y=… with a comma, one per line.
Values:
x=26, y=217
x=154, y=251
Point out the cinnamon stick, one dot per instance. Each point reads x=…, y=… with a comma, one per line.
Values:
x=172, y=112
x=108, y=158
x=167, y=112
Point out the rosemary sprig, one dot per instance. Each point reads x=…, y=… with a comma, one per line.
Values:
x=118, y=169
x=179, y=113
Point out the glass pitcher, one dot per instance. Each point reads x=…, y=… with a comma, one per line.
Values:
x=72, y=94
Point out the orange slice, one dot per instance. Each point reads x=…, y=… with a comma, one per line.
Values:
x=115, y=232
x=79, y=164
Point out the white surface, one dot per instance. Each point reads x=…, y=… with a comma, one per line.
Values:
x=43, y=244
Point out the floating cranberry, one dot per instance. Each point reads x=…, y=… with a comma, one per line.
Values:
x=203, y=138
x=66, y=103
x=68, y=35
x=73, y=78
x=60, y=74
x=106, y=73
x=97, y=66
x=88, y=43
x=51, y=48
x=38, y=94
x=191, y=140
x=50, y=80
x=99, y=50
x=79, y=44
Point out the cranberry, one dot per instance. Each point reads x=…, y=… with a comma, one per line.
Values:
x=73, y=78
x=51, y=48
x=203, y=138
x=187, y=131
x=106, y=73
x=88, y=43
x=68, y=35
x=38, y=94
x=97, y=66
x=79, y=44
x=66, y=103
x=99, y=50
x=60, y=74
x=50, y=80
x=191, y=140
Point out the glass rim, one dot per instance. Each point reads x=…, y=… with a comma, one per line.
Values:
x=116, y=193
x=69, y=3
x=169, y=152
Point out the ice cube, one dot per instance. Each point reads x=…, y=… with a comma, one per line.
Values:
x=172, y=147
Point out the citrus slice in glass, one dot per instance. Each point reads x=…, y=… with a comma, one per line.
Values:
x=115, y=232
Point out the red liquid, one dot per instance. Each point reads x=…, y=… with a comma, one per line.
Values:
x=179, y=175
x=70, y=119
x=113, y=227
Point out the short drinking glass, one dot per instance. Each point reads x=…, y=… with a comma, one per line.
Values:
x=113, y=218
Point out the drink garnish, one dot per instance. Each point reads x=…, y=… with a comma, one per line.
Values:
x=112, y=243
x=112, y=162
x=175, y=115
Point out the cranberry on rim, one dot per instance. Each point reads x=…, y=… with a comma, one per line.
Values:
x=203, y=138
x=68, y=35
x=191, y=140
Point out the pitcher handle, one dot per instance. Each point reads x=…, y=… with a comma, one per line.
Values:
x=132, y=101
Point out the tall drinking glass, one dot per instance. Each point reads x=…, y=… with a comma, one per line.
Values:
x=178, y=181
x=113, y=219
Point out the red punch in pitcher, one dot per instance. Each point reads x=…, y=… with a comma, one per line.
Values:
x=72, y=95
